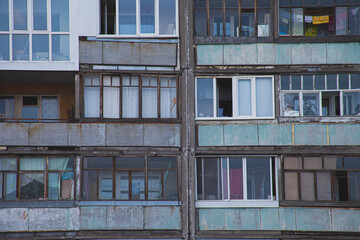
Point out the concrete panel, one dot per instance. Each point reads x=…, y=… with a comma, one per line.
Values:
x=93, y=218
x=238, y=135
x=125, y=217
x=283, y=53
x=162, y=218
x=243, y=219
x=90, y=52
x=345, y=220
x=266, y=53
x=121, y=53
x=211, y=135
x=240, y=54
x=310, y=134
x=52, y=219
x=344, y=134
x=14, y=134
x=158, y=54
x=269, y=219
x=287, y=219
x=74, y=134
x=337, y=53
x=124, y=134
x=162, y=135
x=93, y=134
x=275, y=134
x=309, y=53
x=210, y=54
x=212, y=219
x=313, y=219
x=14, y=219
x=48, y=134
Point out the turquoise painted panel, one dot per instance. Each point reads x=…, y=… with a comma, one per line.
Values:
x=93, y=218
x=309, y=53
x=270, y=219
x=284, y=53
x=239, y=135
x=337, y=52
x=287, y=219
x=162, y=218
x=344, y=134
x=354, y=50
x=240, y=54
x=275, y=134
x=211, y=135
x=212, y=219
x=243, y=219
x=313, y=219
x=266, y=54
x=310, y=134
x=210, y=54
x=345, y=220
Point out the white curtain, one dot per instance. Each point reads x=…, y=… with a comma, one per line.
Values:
x=244, y=98
x=111, y=102
x=264, y=99
x=92, y=102
x=149, y=103
x=168, y=103
x=130, y=103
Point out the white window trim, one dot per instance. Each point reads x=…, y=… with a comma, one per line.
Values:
x=235, y=98
x=138, y=23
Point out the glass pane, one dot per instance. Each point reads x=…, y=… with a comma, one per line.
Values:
x=215, y=4
x=67, y=185
x=343, y=81
x=327, y=2
x=263, y=3
x=351, y=103
x=258, y=178
x=307, y=186
x=149, y=102
x=319, y=22
x=331, y=80
x=199, y=178
x=235, y=178
x=264, y=97
x=295, y=82
x=319, y=82
x=244, y=95
x=355, y=81
x=247, y=23
x=292, y=163
x=40, y=47
x=310, y=104
x=331, y=163
x=10, y=189
x=200, y=22
x=40, y=14
x=20, y=47
x=154, y=185
x=49, y=107
x=351, y=162
x=308, y=82
x=341, y=21
x=138, y=186
x=285, y=82
x=354, y=20
x=225, y=182
x=167, y=13
x=122, y=185
x=130, y=102
x=168, y=103
x=290, y=105
x=30, y=112
x=60, y=15
x=224, y=97
x=147, y=16
x=284, y=3
x=4, y=15
x=297, y=22
x=89, y=185
x=247, y=3
x=61, y=163
x=8, y=163
x=212, y=179
x=60, y=48
x=312, y=163
x=20, y=14
x=105, y=185
x=216, y=22
x=341, y=186
x=341, y=2
x=6, y=107
x=162, y=162
x=127, y=17
x=32, y=164
x=200, y=3
x=32, y=185
x=54, y=186
x=98, y=162
x=205, y=97
x=130, y=163
x=264, y=22
x=323, y=186
x=297, y=3
x=92, y=102
x=111, y=102
x=231, y=22
x=354, y=185
x=4, y=47
x=170, y=185
x=311, y=3
x=291, y=186
x=1, y=186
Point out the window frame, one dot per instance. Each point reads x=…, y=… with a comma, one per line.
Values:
x=235, y=114
x=274, y=172
x=138, y=25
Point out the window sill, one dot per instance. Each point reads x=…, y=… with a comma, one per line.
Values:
x=232, y=118
x=236, y=203
x=129, y=203
x=351, y=204
x=319, y=119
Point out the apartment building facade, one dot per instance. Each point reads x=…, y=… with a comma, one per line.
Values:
x=168, y=119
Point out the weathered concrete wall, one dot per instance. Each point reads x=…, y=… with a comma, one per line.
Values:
x=278, y=134
x=89, y=134
x=90, y=218
x=128, y=53
x=280, y=53
x=284, y=219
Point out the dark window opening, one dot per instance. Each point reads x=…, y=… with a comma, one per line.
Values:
x=330, y=104
x=224, y=96
x=108, y=17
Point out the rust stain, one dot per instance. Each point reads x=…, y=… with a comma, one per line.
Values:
x=25, y=215
x=36, y=128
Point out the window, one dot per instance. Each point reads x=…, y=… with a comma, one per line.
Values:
x=319, y=17
x=128, y=96
x=236, y=178
x=37, y=178
x=320, y=95
x=222, y=18
x=34, y=30
x=235, y=97
x=328, y=178
x=129, y=178
x=139, y=17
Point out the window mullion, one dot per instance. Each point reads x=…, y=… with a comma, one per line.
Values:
x=301, y=103
x=341, y=102
x=138, y=23
x=253, y=98
x=244, y=179
x=203, y=178
x=228, y=177
x=235, y=97
x=214, y=98
x=271, y=180
x=116, y=17
x=320, y=103
x=157, y=16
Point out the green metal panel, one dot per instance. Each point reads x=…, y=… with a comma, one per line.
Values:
x=211, y=135
x=93, y=218
x=287, y=219
x=310, y=134
x=284, y=53
x=275, y=134
x=344, y=134
x=345, y=220
x=313, y=219
x=266, y=53
x=309, y=53
x=269, y=218
x=212, y=219
x=210, y=54
x=239, y=135
x=240, y=54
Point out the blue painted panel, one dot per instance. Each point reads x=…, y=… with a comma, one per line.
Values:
x=238, y=135
x=270, y=219
x=345, y=220
x=210, y=54
x=344, y=134
x=287, y=219
x=275, y=134
x=243, y=219
x=313, y=219
x=310, y=134
x=211, y=135
x=212, y=219
x=284, y=53
x=240, y=54
x=266, y=54
x=93, y=218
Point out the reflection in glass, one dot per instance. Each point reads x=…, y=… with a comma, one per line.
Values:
x=264, y=22
x=127, y=17
x=341, y=21
x=40, y=15
x=291, y=105
x=354, y=20
x=244, y=96
x=147, y=16
x=297, y=22
x=4, y=47
x=284, y=21
x=167, y=23
x=60, y=48
x=4, y=16
x=247, y=23
x=20, y=45
x=40, y=47
x=264, y=97
x=258, y=178
x=351, y=103
x=20, y=14
x=60, y=15
x=310, y=104
x=205, y=97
